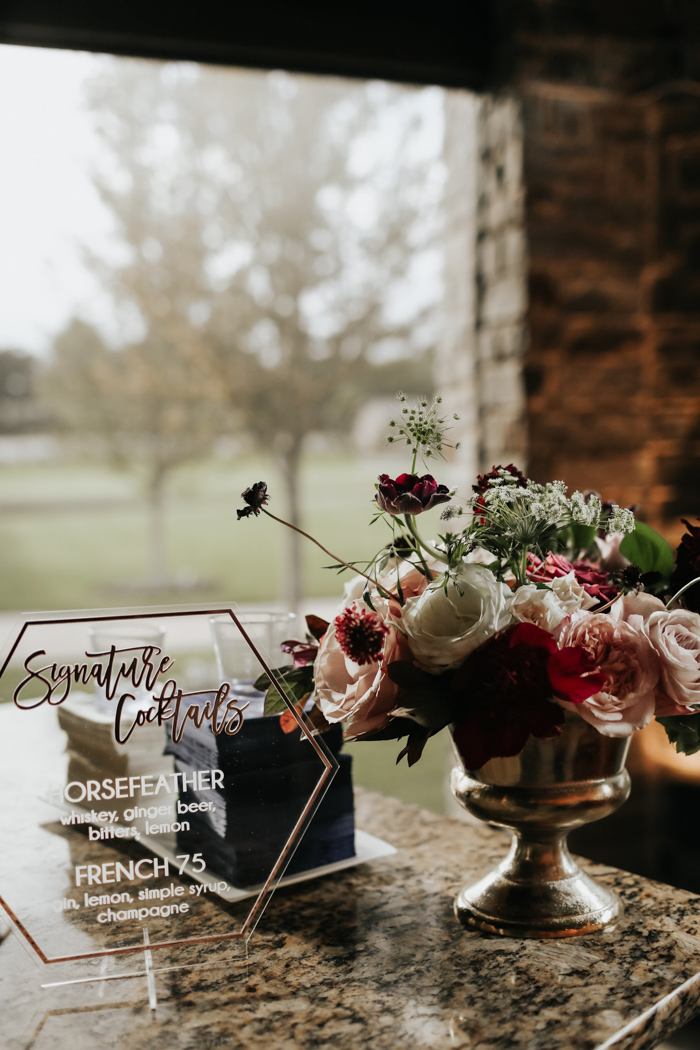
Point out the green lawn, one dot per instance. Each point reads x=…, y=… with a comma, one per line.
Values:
x=374, y=766
x=73, y=535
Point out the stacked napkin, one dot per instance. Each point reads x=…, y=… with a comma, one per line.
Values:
x=269, y=776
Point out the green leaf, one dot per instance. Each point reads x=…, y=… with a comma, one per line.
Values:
x=274, y=703
x=262, y=683
x=683, y=731
x=582, y=536
x=297, y=683
x=649, y=551
x=406, y=675
x=417, y=739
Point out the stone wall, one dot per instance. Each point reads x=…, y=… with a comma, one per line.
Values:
x=455, y=365
x=612, y=175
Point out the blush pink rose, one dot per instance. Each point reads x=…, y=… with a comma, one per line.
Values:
x=675, y=636
x=630, y=665
x=676, y=643
x=635, y=609
x=360, y=693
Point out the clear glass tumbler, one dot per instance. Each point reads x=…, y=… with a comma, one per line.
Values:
x=236, y=660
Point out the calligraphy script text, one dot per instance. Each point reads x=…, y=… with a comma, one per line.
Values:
x=56, y=681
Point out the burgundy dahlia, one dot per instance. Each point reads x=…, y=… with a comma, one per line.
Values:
x=409, y=494
x=360, y=634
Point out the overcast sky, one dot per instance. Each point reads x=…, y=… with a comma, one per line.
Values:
x=48, y=206
x=47, y=203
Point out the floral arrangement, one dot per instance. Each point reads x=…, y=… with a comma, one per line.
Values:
x=529, y=603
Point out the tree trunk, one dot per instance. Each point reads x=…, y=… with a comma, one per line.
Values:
x=289, y=459
x=157, y=570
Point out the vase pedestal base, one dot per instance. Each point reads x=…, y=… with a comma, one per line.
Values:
x=568, y=907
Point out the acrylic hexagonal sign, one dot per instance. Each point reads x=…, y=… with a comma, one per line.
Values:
x=146, y=804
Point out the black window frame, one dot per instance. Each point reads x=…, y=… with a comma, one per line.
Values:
x=454, y=43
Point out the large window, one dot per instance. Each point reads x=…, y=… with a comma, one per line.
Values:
x=209, y=276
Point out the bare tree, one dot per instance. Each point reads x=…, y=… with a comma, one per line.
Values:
x=264, y=224
x=152, y=404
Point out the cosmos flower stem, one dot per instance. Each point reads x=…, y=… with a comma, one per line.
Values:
x=429, y=575
x=682, y=591
x=341, y=561
x=438, y=554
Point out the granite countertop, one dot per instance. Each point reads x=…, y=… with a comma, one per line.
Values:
x=373, y=957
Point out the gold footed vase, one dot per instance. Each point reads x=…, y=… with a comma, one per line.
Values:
x=551, y=787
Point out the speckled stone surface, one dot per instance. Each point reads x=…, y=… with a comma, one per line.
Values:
x=373, y=957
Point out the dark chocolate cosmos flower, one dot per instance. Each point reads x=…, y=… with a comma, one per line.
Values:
x=255, y=497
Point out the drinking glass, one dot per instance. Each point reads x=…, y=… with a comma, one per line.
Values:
x=236, y=660
x=131, y=638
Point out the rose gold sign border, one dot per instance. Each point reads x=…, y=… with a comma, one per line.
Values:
x=329, y=768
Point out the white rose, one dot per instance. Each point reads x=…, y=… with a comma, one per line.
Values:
x=676, y=637
x=484, y=557
x=547, y=608
x=531, y=605
x=443, y=627
x=570, y=594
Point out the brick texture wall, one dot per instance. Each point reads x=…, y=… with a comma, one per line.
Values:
x=611, y=168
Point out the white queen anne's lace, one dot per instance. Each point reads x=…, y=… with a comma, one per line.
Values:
x=548, y=504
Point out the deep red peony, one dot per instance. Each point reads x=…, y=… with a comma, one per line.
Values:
x=505, y=689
